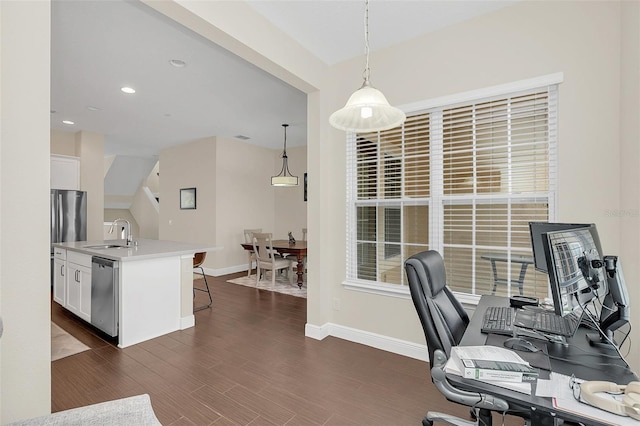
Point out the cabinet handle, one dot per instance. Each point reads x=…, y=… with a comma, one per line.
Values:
x=77, y=279
x=62, y=270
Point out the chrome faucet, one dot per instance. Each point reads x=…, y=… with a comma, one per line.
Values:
x=127, y=230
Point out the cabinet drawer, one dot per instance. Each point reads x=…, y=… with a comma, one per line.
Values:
x=59, y=253
x=79, y=258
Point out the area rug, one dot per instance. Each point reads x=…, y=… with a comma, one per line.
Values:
x=63, y=344
x=282, y=285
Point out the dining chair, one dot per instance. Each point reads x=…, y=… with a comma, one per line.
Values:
x=304, y=238
x=248, y=239
x=268, y=259
x=198, y=260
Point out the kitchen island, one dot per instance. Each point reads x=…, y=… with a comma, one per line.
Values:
x=154, y=288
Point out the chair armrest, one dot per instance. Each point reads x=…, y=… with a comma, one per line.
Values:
x=471, y=399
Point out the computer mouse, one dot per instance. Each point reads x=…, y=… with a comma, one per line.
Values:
x=520, y=344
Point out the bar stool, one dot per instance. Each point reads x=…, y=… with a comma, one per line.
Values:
x=198, y=260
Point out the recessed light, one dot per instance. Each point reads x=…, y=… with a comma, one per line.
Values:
x=128, y=90
x=178, y=63
x=92, y=108
x=69, y=122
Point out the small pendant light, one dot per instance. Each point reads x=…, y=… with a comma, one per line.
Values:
x=367, y=110
x=284, y=178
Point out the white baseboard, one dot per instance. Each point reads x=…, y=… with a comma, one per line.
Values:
x=385, y=343
x=187, y=322
x=225, y=271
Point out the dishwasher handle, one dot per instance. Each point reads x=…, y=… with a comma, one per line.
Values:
x=104, y=262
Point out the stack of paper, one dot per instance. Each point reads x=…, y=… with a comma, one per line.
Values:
x=517, y=376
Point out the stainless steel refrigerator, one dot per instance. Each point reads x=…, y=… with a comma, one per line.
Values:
x=68, y=216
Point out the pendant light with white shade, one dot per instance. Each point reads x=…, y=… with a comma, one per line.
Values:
x=284, y=178
x=367, y=110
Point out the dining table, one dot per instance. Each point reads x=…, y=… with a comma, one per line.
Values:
x=523, y=260
x=297, y=249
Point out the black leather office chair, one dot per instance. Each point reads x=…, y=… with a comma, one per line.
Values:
x=444, y=321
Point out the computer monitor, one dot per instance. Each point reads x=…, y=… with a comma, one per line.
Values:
x=574, y=266
x=578, y=271
x=537, y=229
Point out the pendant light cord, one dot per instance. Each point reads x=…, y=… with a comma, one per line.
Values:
x=285, y=177
x=367, y=110
x=285, y=159
x=284, y=153
x=367, y=71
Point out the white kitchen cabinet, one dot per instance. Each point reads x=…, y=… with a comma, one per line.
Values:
x=59, y=275
x=78, y=284
x=64, y=172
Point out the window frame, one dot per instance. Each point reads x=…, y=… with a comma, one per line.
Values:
x=435, y=203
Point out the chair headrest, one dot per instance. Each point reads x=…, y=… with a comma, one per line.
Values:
x=429, y=266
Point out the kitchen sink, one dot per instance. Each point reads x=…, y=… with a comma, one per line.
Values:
x=104, y=246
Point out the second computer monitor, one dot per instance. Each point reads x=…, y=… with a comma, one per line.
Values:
x=573, y=257
x=537, y=229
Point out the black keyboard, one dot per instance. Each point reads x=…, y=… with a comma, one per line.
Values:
x=498, y=320
x=551, y=323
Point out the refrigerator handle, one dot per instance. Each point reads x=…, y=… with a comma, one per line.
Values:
x=60, y=218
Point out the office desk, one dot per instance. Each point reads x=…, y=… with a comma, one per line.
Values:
x=299, y=250
x=587, y=363
x=523, y=260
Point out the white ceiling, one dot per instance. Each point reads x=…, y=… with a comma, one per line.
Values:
x=99, y=46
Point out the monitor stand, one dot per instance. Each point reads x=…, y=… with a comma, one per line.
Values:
x=598, y=341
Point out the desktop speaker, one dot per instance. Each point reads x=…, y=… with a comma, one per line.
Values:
x=628, y=406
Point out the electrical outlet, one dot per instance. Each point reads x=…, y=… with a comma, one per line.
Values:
x=336, y=304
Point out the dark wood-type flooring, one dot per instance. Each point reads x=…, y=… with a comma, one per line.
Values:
x=247, y=362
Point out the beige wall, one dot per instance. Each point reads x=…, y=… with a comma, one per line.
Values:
x=63, y=143
x=146, y=211
x=188, y=166
x=234, y=192
x=245, y=198
x=503, y=47
x=630, y=159
x=89, y=147
x=153, y=180
x=290, y=207
x=25, y=294
x=525, y=40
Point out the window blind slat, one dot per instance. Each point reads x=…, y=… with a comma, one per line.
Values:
x=464, y=179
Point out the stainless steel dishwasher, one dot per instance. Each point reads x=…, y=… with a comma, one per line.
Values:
x=104, y=294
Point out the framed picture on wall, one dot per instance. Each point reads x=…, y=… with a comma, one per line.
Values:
x=188, y=198
x=305, y=187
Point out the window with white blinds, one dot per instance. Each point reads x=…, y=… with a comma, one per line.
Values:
x=463, y=179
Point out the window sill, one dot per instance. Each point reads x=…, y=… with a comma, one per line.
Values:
x=381, y=289
x=402, y=292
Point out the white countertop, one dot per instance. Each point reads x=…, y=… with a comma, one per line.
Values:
x=145, y=249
